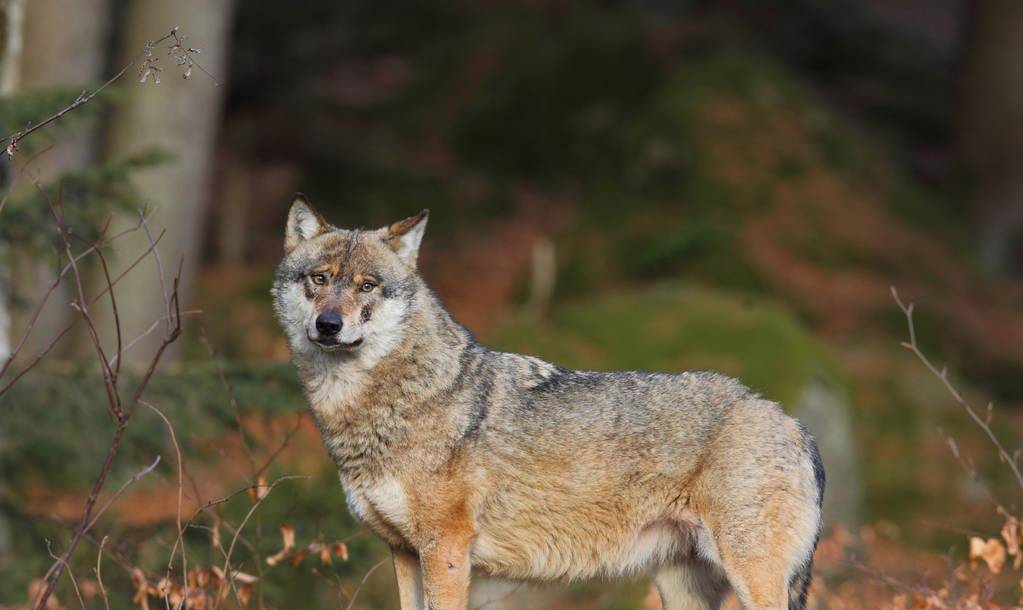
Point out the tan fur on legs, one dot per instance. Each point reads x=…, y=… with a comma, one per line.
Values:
x=446, y=567
x=410, y=580
x=759, y=585
x=692, y=585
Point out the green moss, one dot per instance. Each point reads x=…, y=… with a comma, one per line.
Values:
x=674, y=328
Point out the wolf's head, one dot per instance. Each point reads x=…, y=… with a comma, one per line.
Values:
x=345, y=293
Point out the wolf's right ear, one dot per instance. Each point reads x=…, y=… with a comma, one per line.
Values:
x=405, y=236
x=303, y=223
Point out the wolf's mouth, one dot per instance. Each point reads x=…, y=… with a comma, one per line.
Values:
x=332, y=345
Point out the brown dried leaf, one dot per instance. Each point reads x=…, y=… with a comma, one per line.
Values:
x=341, y=550
x=200, y=578
x=88, y=588
x=198, y=599
x=1013, y=536
x=288, y=536
x=215, y=533
x=176, y=595
x=298, y=557
x=992, y=552
x=163, y=587
x=258, y=491
x=35, y=587
x=325, y=555
x=244, y=578
x=141, y=585
x=276, y=558
x=244, y=594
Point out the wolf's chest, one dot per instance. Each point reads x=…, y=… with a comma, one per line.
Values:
x=382, y=506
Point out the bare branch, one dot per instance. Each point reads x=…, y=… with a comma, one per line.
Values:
x=83, y=98
x=57, y=338
x=122, y=410
x=942, y=376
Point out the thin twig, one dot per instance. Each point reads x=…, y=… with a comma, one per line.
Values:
x=70, y=574
x=365, y=577
x=159, y=264
x=24, y=168
x=64, y=331
x=99, y=573
x=181, y=490
x=135, y=477
x=152, y=327
x=284, y=445
x=83, y=98
x=942, y=375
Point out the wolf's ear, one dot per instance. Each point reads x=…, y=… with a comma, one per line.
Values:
x=404, y=236
x=303, y=223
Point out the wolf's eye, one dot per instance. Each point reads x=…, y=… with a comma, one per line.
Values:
x=318, y=278
x=367, y=286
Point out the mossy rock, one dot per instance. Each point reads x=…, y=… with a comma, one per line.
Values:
x=678, y=328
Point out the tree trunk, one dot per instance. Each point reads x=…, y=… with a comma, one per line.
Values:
x=12, y=14
x=991, y=124
x=181, y=117
x=65, y=44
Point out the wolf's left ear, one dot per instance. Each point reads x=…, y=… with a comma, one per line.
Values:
x=303, y=223
x=404, y=236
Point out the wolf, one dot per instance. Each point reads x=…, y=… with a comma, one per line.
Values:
x=461, y=457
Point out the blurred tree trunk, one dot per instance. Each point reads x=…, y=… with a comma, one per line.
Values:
x=181, y=117
x=12, y=17
x=64, y=44
x=991, y=124
x=12, y=14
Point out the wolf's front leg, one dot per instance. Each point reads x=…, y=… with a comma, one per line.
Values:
x=410, y=580
x=445, y=564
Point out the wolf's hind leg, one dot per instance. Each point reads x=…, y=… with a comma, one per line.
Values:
x=690, y=585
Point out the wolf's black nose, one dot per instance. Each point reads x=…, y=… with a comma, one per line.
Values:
x=329, y=323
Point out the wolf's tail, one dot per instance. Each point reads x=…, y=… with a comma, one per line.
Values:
x=799, y=584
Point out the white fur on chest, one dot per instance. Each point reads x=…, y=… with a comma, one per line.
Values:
x=336, y=387
x=384, y=499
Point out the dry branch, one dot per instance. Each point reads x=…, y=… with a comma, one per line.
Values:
x=121, y=409
x=145, y=55
x=982, y=422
